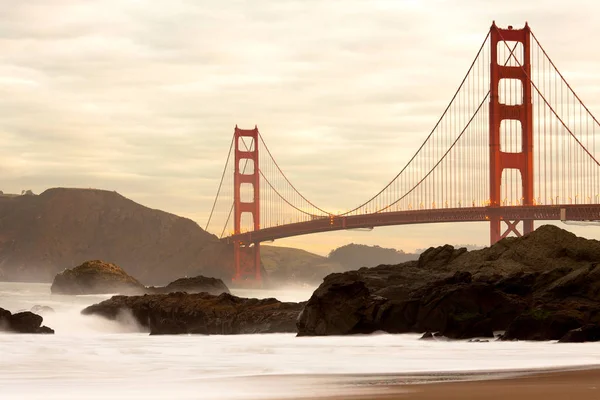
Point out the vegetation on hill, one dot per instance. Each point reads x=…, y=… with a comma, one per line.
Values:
x=354, y=256
x=289, y=265
x=61, y=228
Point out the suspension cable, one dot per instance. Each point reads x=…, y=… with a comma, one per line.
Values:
x=549, y=105
x=220, y=185
x=287, y=180
x=430, y=134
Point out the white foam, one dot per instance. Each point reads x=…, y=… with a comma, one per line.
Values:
x=92, y=358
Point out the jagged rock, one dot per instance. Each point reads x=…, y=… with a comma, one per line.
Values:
x=538, y=287
x=96, y=277
x=25, y=322
x=202, y=313
x=196, y=284
x=436, y=257
x=344, y=306
x=45, y=330
x=22, y=322
x=587, y=333
x=455, y=306
x=466, y=310
x=543, y=324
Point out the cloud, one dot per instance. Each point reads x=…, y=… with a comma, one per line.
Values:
x=142, y=97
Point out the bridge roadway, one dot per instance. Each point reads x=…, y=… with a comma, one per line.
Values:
x=572, y=212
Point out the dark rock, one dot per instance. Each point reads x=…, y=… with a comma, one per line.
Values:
x=343, y=306
x=463, y=310
x=454, y=306
x=45, y=330
x=543, y=324
x=537, y=287
x=25, y=322
x=520, y=284
x=587, y=333
x=436, y=257
x=202, y=313
x=22, y=322
x=4, y=319
x=96, y=277
x=197, y=284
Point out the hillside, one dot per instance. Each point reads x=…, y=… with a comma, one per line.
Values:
x=42, y=235
x=289, y=265
x=61, y=228
x=355, y=256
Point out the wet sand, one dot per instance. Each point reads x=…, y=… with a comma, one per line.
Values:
x=566, y=385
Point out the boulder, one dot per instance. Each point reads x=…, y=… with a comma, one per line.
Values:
x=587, y=333
x=96, y=277
x=25, y=322
x=196, y=284
x=543, y=324
x=37, y=309
x=5, y=319
x=202, y=313
x=344, y=306
x=466, y=310
x=22, y=322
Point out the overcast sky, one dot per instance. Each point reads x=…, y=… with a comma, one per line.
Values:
x=141, y=97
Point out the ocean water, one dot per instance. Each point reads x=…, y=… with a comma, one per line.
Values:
x=92, y=358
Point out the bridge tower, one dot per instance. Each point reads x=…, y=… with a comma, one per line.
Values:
x=501, y=160
x=246, y=256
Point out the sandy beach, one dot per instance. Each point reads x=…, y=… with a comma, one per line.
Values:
x=564, y=385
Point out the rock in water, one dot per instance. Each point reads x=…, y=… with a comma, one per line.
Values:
x=455, y=307
x=22, y=322
x=202, y=313
x=538, y=287
x=96, y=277
x=588, y=333
x=37, y=309
x=196, y=284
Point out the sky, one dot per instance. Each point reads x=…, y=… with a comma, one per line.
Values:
x=142, y=97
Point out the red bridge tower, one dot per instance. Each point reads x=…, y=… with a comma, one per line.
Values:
x=246, y=256
x=500, y=160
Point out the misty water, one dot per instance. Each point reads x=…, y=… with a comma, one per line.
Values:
x=92, y=358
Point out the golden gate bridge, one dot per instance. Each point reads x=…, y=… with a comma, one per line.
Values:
x=515, y=145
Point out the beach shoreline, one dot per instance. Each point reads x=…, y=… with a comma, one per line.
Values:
x=581, y=383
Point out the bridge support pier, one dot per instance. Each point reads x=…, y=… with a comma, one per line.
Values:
x=246, y=256
x=496, y=228
x=499, y=158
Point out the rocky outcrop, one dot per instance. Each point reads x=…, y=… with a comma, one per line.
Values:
x=99, y=277
x=516, y=285
x=456, y=307
x=587, y=333
x=202, y=313
x=22, y=322
x=196, y=284
x=96, y=277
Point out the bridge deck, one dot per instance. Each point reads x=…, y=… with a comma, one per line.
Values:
x=573, y=212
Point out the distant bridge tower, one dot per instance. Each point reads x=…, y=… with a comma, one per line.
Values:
x=500, y=160
x=246, y=256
